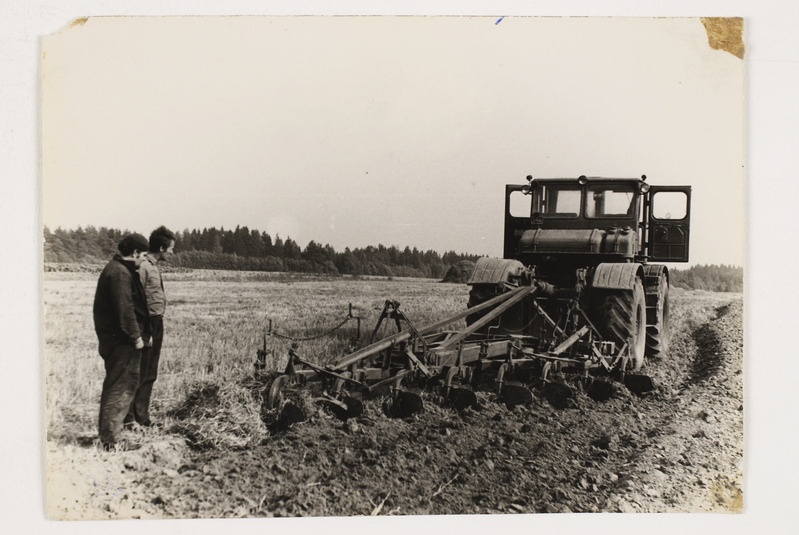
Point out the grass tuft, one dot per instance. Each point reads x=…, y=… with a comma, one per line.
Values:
x=223, y=416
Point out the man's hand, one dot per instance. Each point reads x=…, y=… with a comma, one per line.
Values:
x=148, y=342
x=139, y=343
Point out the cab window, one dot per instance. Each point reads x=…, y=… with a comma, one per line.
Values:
x=669, y=205
x=562, y=202
x=605, y=201
x=520, y=204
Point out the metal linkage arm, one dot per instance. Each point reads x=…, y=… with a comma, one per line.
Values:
x=323, y=371
x=570, y=341
x=518, y=295
x=385, y=343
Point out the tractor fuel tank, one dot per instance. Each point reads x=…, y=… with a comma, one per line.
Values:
x=614, y=241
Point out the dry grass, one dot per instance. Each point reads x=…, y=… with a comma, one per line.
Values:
x=220, y=416
x=215, y=323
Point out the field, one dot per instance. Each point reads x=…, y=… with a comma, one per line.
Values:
x=678, y=449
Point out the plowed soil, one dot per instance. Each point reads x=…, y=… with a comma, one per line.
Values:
x=679, y=448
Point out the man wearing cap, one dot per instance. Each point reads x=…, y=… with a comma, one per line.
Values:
x=122, y=327
x=161, y=246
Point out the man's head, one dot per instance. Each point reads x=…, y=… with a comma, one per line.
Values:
x=162, y=242
x=133, y=247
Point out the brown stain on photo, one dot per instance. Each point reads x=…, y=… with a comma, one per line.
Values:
x=728, y=495
x=79, y=22
x=725, y=34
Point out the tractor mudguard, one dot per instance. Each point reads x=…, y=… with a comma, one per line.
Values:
x=496, y=271
x=616, y=276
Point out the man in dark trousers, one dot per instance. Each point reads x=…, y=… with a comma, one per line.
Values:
x=122, y=327
x=161, y=246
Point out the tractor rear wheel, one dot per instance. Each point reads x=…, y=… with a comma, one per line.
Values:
x=657, y=329
x=621, y=317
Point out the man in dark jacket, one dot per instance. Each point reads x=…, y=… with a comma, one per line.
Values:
x=122, y=327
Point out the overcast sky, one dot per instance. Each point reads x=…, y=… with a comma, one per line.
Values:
x=355, y=131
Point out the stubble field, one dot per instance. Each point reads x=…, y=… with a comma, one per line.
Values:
x=678, y=449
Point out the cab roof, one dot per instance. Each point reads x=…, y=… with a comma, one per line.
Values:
x=587, y=179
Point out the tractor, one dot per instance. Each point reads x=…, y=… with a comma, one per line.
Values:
x=576, y=299
x=595, y=240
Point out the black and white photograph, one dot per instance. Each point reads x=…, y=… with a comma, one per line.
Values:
x=335, y=266
x=465, y=270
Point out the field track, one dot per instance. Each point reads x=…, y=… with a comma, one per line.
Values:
x=679, y=449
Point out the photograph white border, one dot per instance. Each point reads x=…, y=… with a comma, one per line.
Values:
x=771, y=419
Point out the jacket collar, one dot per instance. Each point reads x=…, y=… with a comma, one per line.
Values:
x=127, y=263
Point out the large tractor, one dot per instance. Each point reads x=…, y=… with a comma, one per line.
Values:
x=594, y=240
x=576, y=300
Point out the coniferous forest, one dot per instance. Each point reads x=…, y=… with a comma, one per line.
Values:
x=252, y=250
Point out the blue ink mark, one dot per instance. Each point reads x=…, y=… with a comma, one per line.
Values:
x=498, y=20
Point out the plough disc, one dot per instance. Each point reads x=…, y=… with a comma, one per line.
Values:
x=599, y=389
x=403, y=403
x=273, y=394
x=344, y=408
x=639, y=384
x=558, y=394
x=290, y=414
x=514, y=393
x=461, y=397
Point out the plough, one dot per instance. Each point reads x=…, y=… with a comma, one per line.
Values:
x=455, y=363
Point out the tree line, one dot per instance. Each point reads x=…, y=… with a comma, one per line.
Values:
x=710, y=277
x=252, y=250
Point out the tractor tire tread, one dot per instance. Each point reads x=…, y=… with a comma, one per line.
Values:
x=616, y=312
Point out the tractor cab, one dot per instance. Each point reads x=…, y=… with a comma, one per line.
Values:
x=601, y=205
x=590, y=220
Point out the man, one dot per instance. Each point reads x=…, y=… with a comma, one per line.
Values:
x=161, y=246
x=122, y=326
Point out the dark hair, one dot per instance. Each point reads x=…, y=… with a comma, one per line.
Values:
x=131, y=243
x=161, y=237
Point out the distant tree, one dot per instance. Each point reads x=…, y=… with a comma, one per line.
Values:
x=277, y=247
x=347, y=263
x=186, y=240
x=215, y=241
x=266, y=240
x=108, y=240
x=318, y=255
x=255, y=244
x=49, y=245
x=291, y=250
